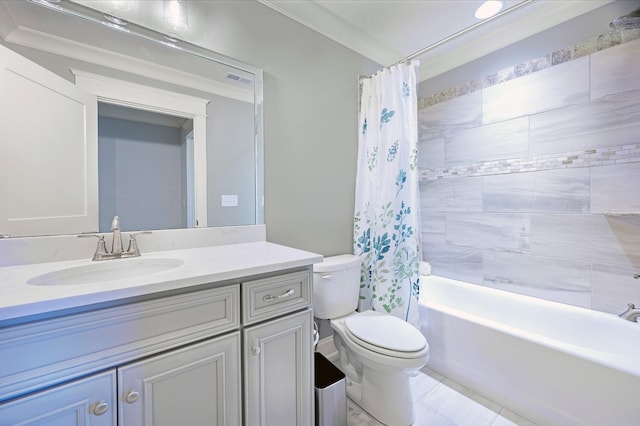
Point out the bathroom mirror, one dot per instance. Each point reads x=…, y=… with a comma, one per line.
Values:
x=137, y=79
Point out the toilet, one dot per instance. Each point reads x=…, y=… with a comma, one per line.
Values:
x=378, y=352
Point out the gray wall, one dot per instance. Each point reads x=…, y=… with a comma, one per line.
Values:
x=141, y=172
x=520, y=167
x=230, y=161
x=310, y=122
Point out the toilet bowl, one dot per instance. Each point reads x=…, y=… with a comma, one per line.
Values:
x=377, y=351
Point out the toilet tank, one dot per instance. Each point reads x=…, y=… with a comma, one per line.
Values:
x=336, y=286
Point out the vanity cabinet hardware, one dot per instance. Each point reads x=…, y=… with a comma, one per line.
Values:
x=287, y=293
x=100, y=408
x=132, y=396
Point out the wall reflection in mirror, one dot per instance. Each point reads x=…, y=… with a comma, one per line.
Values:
x=159, y=164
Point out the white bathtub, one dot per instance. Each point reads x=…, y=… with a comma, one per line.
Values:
x=552, y=363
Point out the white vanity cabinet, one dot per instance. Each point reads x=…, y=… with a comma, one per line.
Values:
x=278, y=352
x=87, y=401
x=188, y=358
x=176, y=355
x=194, y=385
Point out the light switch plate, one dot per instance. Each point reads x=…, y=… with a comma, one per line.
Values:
x=229, y=200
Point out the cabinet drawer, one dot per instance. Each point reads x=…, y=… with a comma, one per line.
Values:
x=273, y=296
x=50, y=352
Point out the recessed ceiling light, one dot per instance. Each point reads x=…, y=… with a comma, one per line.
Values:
x=488, y=9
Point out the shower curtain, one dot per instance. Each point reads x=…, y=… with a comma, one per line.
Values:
x=386, y=222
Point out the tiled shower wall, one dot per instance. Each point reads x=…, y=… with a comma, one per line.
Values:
x=526, y=174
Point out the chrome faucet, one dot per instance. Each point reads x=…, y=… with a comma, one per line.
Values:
x=116, y=240
x=631, y=314
x=117, y=251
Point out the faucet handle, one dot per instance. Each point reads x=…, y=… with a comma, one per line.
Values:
x=133, y=243
x=101, y=248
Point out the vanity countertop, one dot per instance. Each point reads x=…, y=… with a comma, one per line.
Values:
x=205, y=265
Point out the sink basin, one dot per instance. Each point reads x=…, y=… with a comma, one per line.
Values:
x=107, y=270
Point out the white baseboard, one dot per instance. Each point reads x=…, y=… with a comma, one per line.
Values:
x=327, y=348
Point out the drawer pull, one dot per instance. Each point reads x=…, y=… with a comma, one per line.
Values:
x=100, y=408
x=287, y=293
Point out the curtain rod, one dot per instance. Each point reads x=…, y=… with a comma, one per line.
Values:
x=462, y=32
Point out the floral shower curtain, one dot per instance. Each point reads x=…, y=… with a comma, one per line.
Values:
x=386, y=221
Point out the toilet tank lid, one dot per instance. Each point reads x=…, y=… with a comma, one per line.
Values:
x=337, y=263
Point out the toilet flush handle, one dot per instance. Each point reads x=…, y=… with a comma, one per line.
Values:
x=326, y=277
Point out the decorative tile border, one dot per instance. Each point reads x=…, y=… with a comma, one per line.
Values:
x=595, y=44
x=588, y=158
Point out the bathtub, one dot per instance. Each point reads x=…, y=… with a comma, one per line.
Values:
x=551, y=363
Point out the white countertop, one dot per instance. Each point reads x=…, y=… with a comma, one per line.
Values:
x=201, y=266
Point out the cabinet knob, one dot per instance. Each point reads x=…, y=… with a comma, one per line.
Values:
x=256, y=350
x=100, y=408
x=132, y=396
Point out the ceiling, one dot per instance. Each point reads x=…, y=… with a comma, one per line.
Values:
x=387, y=31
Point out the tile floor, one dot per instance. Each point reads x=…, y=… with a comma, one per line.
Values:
x=439, y=401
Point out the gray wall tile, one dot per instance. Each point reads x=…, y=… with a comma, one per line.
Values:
x=553, y=191
x=551, y=279
x=459, y=263
x=615, y=188
x=433, y=225
x=556, y=87
x=510, y=192
x=615, y=70
x=529, y=221
x=626, y=230
x=610, y=121
x=562, y=191
x=506, y=139
x=458, y=113
x=586, y=238
x=613, y=287
x=431, y=153
x=452, y=194
x=507, y=231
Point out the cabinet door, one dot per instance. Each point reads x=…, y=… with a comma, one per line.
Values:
x=278, y=371
x=48, y=147
x=89, y=402
x=197, y=385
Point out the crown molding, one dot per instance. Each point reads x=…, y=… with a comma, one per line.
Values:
x=61, y=46
x=321, y=20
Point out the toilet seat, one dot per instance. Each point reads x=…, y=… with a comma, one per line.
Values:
x=385, y=334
